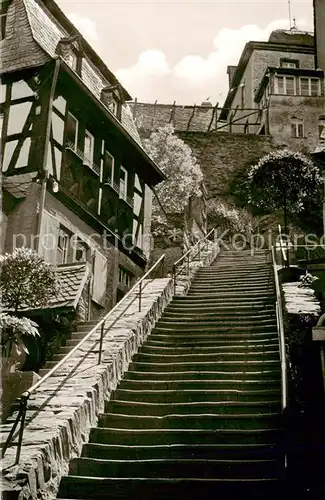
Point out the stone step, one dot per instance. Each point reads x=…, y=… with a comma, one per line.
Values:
x=193, y=421
x=95, y=488
x=198, y=357
x=197, y=336
x=142, y=437
x=178, y=451
x=171, y=468
x=188, y=384
x=217, y=329
x=232, y=407
x=217, y=321
x=229, y=365
x=221, y=308
x=217, y=312
x=210, y=302
x=186, y=395
x=258, y=373
x=150, y=348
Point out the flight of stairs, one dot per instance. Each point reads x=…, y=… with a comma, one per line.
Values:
x=82, y=329
x=197, y=416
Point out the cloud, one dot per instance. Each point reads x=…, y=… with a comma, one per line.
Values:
x=86, y=26
x=195, y=76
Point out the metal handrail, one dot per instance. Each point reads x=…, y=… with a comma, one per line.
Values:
x=280, y=327
x=101, y=324
x=189, y=258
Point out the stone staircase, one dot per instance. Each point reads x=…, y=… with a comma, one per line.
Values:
x=198, y=413
x=81, y=331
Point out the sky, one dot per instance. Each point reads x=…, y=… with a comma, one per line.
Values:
x=178, y=50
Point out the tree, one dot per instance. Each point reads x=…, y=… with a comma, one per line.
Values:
x=26, y=280
x=183, y=173
x=284, y=180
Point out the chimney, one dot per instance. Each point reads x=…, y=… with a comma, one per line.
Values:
x=231, y=71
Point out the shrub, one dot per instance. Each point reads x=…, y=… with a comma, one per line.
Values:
x=26, y=280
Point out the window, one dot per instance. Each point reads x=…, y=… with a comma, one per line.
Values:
x=3, y=21
x=309, y=86
x=289, y=63
x=242, y=95
x=113, y=106
x=108, y=168
x=72, y=61
x=89, y=149
x=125, y=278
x=123, y=183
x=79, y=253
x=72, y=132
x=285, y=85
x=297, y=128
x=63, y=247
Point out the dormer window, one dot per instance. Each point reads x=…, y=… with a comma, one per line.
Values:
x=69, y=49
x=111, y=98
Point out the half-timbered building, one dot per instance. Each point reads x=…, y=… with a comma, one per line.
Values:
x=76, y=180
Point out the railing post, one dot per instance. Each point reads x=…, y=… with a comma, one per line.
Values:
x=199, y=250
x=101, y=342
x=23, y=409
x=140, y=295
x=188, y=265
x=174, y=278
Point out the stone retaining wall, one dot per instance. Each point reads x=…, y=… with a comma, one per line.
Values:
x=63, y=410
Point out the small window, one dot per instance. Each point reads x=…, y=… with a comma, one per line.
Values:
x=72, y=132
x=287, y=63
x=285, y=85
x=3, y=22
x=314, y=86
x=108, y=168
x=79, y=253
x=304, y=86
x=63, y=247
x=297, y=128
x=113, y=106
x=243, y=95
x=125, y=278
x=123, y=183
x=309, y=86
x=290, y=85
x=89, y=149
x=72, y=61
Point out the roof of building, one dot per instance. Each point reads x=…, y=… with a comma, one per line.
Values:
x=72, y=279
x=33, y=30
x=285, y=44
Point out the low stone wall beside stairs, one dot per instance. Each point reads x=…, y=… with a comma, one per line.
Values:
x=63, y=410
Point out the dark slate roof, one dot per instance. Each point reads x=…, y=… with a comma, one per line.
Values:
x=72, y=279
x=32, y=35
